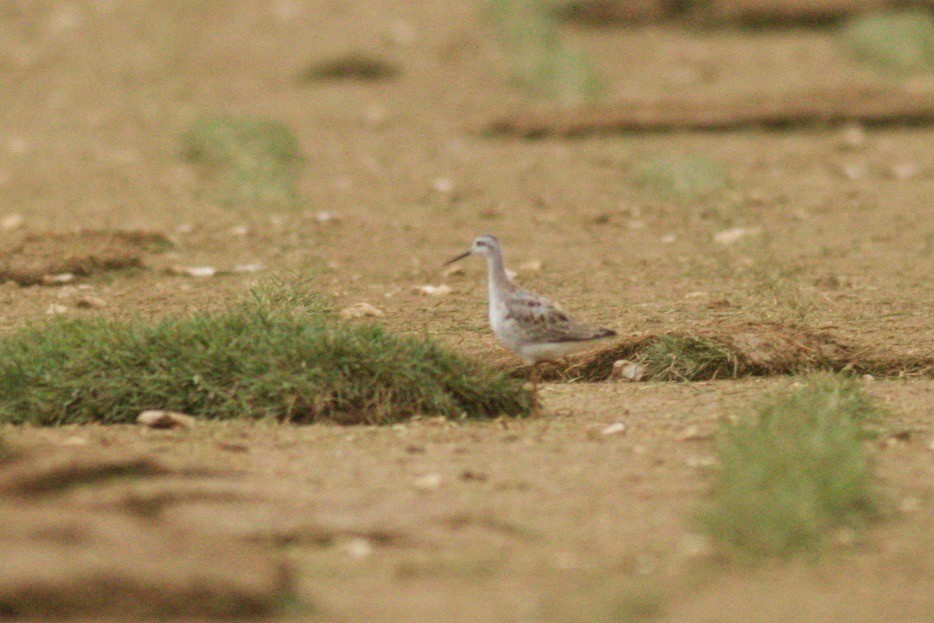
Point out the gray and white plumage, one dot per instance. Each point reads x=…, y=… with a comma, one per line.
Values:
x=534, y=327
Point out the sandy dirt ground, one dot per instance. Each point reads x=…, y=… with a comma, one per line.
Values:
x=545, y=520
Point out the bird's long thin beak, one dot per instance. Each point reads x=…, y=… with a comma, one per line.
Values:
x=456, y=259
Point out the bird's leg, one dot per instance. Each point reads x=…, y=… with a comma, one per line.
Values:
x=534, y=375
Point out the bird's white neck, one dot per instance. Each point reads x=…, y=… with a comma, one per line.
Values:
x=497, y=273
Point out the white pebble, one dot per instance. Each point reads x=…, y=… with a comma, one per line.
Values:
x=360, y=310
x=11, y=221
x=429, y=290
x=164, y=419
x=729, y=236
x=628, y=370
x=428, y=482
x=613, y=429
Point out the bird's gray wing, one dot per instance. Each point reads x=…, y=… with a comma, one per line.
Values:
x=543, y=320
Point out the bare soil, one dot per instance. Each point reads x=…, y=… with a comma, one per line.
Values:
x=540, y=520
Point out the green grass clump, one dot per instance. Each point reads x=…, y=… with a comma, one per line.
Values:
x=794, y=470
x=899, y=40
x=681, y=177
x=544, y=65
x=277, y=355
x=687, y=358
x=250, y=161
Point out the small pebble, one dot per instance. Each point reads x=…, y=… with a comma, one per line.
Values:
x=853, y=171
x=11, y=221
x=358, y=548
x=532, y=266
x=443, y=185
x=194, y=271
x=55, y=310
x=905, y=170
x=699, y=462
x=361, y=310
x=852, y=136
x=326, y=217
x=613, y=429
x=164, y=419
x=58, y=279
x=729, y=236
x=90, y=302
x=428, y=482
x=246, y=268
x=627, y=371
x=692, y=433
x=429, y=290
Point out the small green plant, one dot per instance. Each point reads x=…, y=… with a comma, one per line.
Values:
x=794, y=470
x=250, y=161
x=681, y=177
x=278, y=355
x=899, y=40
x=687, y=358
x=543, y=64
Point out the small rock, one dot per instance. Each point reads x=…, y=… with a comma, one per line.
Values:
x=375, y=115
x=55, y=310
x=326, y=217
x=532, y=266
x=90, y=302
x=75, y=441
x=58, y=279
x=429, y=290
x=692, y=433
x=627, y=371
x=11, y=221
x=852, y=136
x=401, y=33
x=164, y=419
x=699, y=462
x=443, y=185
x=428, y=482
x=246, y=268
x=358, y=548
x=905, y=170
x=613, y=429
x=729, y=236
x=670, y=238
x=868, y=378
x=361, y=310
x=194, y=271
x=853, y=171
x=696, y=294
